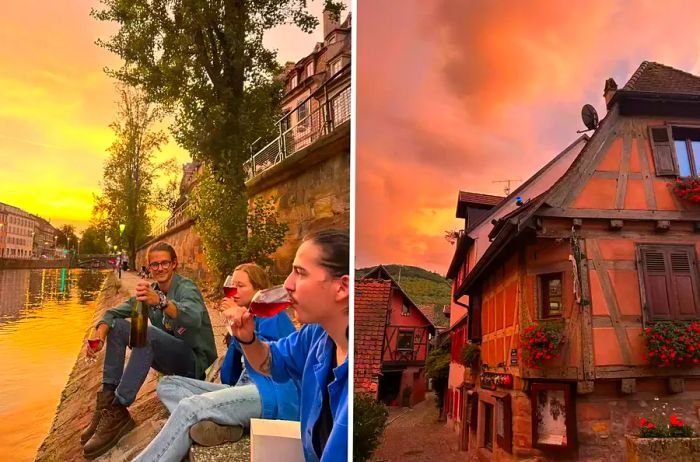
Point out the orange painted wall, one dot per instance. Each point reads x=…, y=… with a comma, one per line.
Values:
x=499, y=314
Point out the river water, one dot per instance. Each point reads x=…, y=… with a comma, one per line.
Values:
x=44, y=314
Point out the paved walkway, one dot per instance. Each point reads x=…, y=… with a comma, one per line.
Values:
x=415, y=435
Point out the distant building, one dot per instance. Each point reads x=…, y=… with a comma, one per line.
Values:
x=23, y=235
x=392, y=339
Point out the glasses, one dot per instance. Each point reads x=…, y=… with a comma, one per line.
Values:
x=163, y=264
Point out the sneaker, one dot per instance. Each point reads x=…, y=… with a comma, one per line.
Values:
x=115, y=422
x=208, y=433
x=104, y=399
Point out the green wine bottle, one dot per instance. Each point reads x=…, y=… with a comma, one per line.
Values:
x=139, y=325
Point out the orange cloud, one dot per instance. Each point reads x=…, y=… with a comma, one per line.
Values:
x=455, y=95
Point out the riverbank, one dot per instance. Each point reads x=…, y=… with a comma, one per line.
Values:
x=78, y=398
x=12, y=263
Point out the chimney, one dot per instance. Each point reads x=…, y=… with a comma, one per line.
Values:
x=330, y=23
x=609, y=90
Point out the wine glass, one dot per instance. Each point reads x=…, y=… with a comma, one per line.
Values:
x=268, y=302
x=230, y=291
x=92, y=341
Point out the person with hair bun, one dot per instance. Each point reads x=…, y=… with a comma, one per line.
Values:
x=317, y=355
x=180, y=341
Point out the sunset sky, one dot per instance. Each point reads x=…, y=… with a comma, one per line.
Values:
x=56, y=104
x=455, y=95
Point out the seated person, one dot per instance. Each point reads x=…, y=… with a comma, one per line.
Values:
x=319, y=287
x=180, y=341
x=211, y=413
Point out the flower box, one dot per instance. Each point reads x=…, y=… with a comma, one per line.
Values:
x=673, y=343
x=662, y=449
x=540, y=342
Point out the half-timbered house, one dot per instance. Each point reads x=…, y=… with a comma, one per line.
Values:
x=391, y=340
x=598, y=247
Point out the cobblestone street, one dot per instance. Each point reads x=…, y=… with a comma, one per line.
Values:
x=415, y=435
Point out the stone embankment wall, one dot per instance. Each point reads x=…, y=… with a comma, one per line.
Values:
x=7, y=263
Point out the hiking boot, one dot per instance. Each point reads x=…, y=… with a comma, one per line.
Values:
x=115, y=422
x=208, y=433
x=104, y=399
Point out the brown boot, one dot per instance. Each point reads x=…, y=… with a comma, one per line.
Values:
x=115, y=422
x=208, y=433
x=104, y=399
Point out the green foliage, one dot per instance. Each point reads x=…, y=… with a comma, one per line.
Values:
x=437, y=368
x=673, y=343
x=93, y=241
x=205, y=61
x=369, y=421
x=469, y=356
x=66, y=233
x=128, y=193
x=664, y=423
x=231, y=234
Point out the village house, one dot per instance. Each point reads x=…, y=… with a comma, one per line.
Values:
x=592, y=253
x=391, y=341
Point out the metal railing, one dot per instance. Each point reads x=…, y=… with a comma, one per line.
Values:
x=321, y=121
x=178, y=217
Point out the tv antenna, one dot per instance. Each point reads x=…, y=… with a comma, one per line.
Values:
x=506, y=188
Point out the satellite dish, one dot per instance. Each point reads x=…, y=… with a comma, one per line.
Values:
x=589, y=116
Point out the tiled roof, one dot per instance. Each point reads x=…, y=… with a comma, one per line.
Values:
x=659, y=78
x=371, y=305
x=478, y=198
x=428, y=311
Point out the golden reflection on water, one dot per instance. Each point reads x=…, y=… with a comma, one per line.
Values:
x=43, y=317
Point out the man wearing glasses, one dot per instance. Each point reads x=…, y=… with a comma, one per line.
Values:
x=180, y=342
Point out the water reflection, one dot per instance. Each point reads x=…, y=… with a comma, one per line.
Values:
x=29, y=290
x=43, y=317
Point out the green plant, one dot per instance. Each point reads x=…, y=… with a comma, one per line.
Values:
x=673, y=343
x=406, y=396
x=661, y=425
x=539, y=342
x=437, y=368
x=369, y=421
x=469, y=356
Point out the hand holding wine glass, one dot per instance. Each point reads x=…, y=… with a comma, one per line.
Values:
x=240, y=320
x=93, y=344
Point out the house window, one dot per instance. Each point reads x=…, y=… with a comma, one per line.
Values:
x=405, y=340
x=310, y=69
x=302, y=115
x=550, y=295
x=553, y=422
x=488, y=426
x=295, y=81
x=334, y=66
x=405, y=310
x=669, y=280
x=676, y=150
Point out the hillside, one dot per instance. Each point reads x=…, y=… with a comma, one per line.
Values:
x=424, y=287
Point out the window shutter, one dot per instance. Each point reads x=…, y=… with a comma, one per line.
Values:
x=656, y=283
x=664, y=152
x=685, y=282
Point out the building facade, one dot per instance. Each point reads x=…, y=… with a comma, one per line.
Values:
x=392, y=341
x=597, y=254
x=25, y=236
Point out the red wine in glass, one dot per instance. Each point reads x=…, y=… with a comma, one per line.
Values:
x=230, y=290
x=269, y=302
x=94, y=343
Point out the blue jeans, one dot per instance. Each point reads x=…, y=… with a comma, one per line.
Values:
x=190, y=401
x=163, y=352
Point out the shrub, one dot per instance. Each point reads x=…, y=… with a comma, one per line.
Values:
x=369, y=420
x=437, y=368
x=673, y=343
x=469, y=356
x=661, y=425
x=539, y=342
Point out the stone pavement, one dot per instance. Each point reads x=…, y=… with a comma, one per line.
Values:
x=415, y=435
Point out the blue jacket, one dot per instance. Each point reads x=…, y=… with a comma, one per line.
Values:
x=307, y=355
x=279, y=400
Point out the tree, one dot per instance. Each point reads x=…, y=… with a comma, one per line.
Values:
x=205, y=60
x=93, y=241
x=218, y=222
x=437, y=368
x=128, y=192
x=66, y=236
